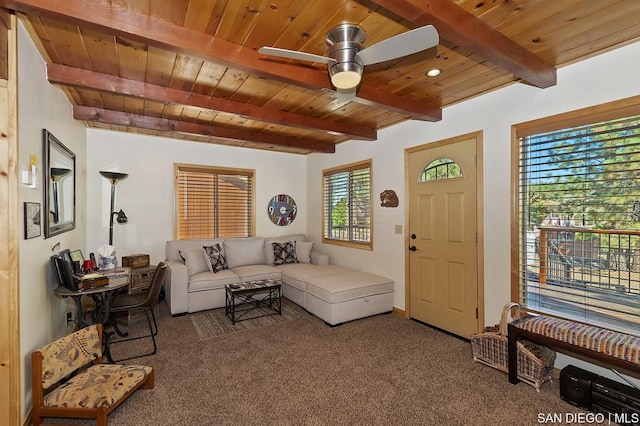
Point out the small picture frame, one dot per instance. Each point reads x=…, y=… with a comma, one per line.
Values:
x=77, y=256
x=32, y=220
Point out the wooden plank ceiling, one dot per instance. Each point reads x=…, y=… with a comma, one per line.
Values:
x=189, y=69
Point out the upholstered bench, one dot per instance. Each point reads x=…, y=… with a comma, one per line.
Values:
x=611, y=347
x=348, y=295
x=69, y=379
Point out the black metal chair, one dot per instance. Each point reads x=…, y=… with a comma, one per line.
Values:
x=125, y=303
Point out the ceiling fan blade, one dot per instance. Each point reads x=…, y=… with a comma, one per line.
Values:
x=404, y=44
x=294, y=54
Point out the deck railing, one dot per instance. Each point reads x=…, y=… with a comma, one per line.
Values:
x=591, y=275
x=590, y=257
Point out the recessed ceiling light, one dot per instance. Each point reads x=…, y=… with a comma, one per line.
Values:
x=434, y=72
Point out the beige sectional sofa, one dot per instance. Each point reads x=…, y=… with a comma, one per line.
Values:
x=333, y=293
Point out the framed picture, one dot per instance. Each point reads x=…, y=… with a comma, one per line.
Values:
x=32, y=224
x=77, y=256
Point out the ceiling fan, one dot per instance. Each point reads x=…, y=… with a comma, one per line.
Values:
x=346, y=57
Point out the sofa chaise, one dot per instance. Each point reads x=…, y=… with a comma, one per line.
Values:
x=335, y=294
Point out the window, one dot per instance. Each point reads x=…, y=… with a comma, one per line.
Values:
x=578, y=219
x=213, y=202
x=347, y=205
x=442, y=168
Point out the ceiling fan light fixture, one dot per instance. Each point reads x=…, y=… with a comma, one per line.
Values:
x=345, y=79
x=346, y=75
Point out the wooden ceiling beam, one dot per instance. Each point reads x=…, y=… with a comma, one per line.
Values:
x=83, y=79
x=112, y=18
x=463, y=28
x=120, y=118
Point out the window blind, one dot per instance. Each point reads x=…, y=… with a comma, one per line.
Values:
x=347, y=203
x=214, y=203
x=579, y=223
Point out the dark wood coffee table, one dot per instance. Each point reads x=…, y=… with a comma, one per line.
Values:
x=246, y=297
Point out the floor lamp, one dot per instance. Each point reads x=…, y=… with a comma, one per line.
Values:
x=114, y=178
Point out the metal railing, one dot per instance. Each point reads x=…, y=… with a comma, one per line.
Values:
x=353, y=233
x=591, y=275
x=590, y=257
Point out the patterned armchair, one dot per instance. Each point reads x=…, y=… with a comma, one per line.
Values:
x=94, y=391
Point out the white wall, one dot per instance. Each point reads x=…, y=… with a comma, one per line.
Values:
x=42, y=105
x=147, y=194
x=601, y=79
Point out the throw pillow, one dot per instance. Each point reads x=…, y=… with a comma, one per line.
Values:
x=284, y=253
x=196, y=259
x=268, y=248
x=216, y=258
x=303, y=251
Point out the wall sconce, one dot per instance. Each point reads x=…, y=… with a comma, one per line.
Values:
x=121, y=217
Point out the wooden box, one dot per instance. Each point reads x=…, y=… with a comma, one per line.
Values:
x=140, y=281
x=136, y=260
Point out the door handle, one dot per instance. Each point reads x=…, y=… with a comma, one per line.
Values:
x=412, y=248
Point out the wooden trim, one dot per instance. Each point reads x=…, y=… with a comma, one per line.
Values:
x=515, y=154
x=478, y=136
x=407, y=205
x=399, y=312
x=626, y=107
x=214, y=169
x=480, y=226
x=10, y=360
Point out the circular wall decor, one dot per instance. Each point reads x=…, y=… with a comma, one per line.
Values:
x=282, y=209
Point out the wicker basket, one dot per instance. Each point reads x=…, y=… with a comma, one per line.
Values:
x=535, y=363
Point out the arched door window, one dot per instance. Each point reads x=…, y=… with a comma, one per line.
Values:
x=440, y=169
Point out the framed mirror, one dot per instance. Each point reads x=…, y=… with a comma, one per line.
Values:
x=59, y=214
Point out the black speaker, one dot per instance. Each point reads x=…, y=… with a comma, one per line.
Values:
x=575, y=386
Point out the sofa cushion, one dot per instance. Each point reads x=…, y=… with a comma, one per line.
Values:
x=347, y=286
x=244, y=251
x=297, y=274
x=303, y=251
x=284, y=253
x=208, y=280
x=257, y=272
x=268, y=248
x=196, y=259
x=217, y=262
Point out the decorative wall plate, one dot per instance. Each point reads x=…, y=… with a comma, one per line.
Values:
x=282, y=209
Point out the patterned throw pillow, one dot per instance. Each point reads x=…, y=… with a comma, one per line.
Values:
x=284, y=253
x=217, y=261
